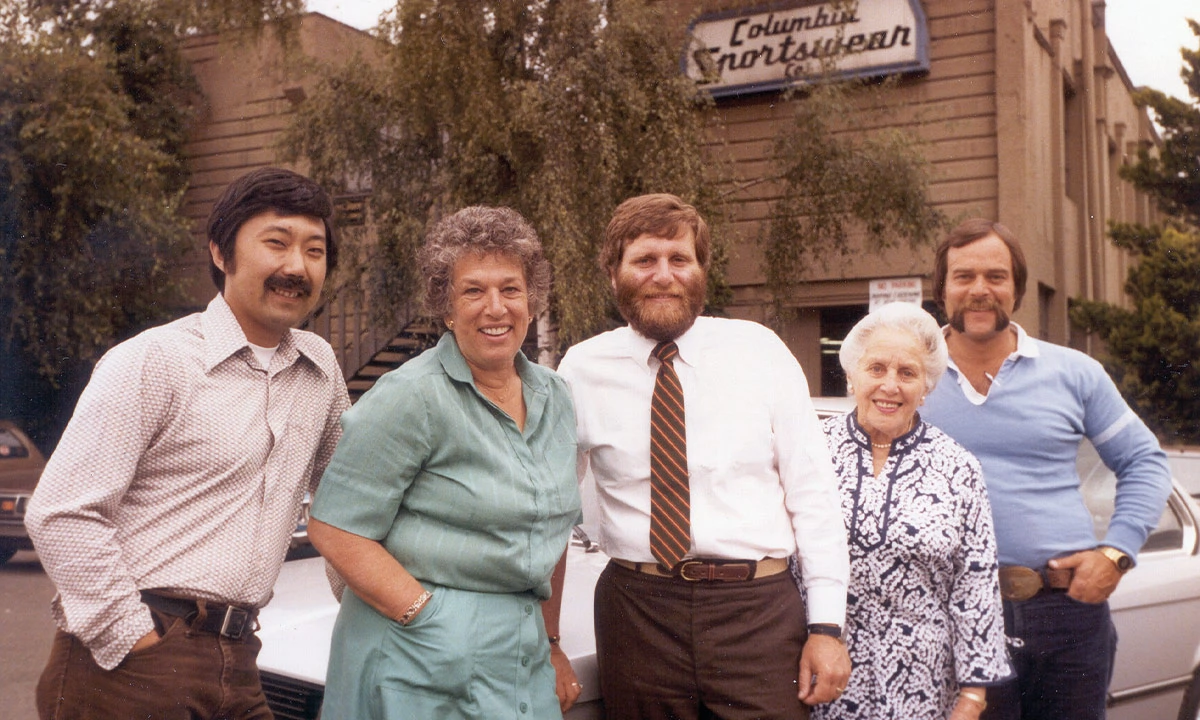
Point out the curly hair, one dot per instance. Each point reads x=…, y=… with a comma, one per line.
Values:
x=482, y=231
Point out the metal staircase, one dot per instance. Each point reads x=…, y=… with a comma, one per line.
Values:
x=365, y=347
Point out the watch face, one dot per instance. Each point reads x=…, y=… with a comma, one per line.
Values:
x=1123, y=561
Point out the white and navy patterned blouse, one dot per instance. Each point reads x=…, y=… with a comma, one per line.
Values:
x=923, y=612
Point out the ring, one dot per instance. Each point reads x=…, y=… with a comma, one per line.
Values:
x=575, y=684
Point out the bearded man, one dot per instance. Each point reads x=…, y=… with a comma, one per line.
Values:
x=1022, y=407
x=711, y=471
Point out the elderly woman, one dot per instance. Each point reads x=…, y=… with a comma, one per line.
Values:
x=448, y=504
x=924, y=627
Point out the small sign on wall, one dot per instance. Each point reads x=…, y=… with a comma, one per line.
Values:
x=757, y=50
x=895, y=290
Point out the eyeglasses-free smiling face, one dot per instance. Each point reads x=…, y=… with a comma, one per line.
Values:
x=660, y=285
x=889, y=383
x=980, y=289
x=490, y=309
x=275, y=277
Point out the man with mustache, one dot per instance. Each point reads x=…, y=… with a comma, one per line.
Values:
x=701, y=506
x=165, y=512
x=1023, y=406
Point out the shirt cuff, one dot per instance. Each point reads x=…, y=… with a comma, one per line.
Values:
x=826, y=605
x=111, y=646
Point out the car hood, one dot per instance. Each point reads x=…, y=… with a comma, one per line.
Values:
x=297, y=624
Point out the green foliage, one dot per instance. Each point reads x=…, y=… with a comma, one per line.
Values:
x=95, y=100
x=90, y=217
x=1172, y=175
x=1154, y=345
x=836, y=185
x=560, y=109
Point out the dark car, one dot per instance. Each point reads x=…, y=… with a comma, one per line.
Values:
x=21, y=465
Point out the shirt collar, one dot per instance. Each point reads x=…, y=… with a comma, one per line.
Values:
x=224, y=337
x=1026, y=347
x=688, y=343
x=901, y=444
x=456, y=367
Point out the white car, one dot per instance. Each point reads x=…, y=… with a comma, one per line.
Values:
x=1156, y=609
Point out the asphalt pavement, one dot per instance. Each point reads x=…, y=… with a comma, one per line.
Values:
x=26, y=630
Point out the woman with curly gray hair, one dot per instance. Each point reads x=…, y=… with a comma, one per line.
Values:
x=449, y=502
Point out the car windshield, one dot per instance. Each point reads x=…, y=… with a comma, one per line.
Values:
x=11, y=446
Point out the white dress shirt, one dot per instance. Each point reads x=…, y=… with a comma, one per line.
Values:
x=761, y=480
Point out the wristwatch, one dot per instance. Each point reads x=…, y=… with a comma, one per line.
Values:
x=828, y=629
x=1120, y=559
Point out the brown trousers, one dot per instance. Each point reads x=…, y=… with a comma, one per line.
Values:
x=187, y=675
x=674, y=650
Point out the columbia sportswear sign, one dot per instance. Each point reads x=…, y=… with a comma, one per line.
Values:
x=753, y=51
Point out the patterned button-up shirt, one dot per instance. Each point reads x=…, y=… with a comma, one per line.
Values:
x=182, y=469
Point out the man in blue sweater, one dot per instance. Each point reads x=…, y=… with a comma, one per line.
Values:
x=1023, y=406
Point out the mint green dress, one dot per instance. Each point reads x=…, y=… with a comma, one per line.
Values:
x=475, y=509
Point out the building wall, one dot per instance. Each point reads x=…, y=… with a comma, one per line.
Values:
x=1025, y=116
x=251, y=88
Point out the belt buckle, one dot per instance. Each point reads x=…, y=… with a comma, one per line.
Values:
x=681, y=570
x=236, y=622
x=1020, y=583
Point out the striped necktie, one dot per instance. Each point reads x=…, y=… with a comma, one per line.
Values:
x=670, y=498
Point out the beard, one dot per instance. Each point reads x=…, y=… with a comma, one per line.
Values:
x=958, y=319
x=658, y=320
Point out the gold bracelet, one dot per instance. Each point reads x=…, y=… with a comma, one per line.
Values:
x=976, y=697
x=415, y=608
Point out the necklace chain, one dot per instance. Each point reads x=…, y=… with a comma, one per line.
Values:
x=499, y=395
x=888, y=446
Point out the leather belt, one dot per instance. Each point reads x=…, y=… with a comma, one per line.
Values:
x=231, y=621
x=697, y=570
x=1022, y=583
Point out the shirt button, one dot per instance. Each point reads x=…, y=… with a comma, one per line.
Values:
x=528, y=609
x=525, y=661
x=524, y=708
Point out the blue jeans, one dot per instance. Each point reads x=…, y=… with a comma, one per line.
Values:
x=1062, y=651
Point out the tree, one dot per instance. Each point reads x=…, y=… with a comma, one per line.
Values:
x=562, y=109
x=557, y=108
x=95, y=100
x=1172, y=175
x=839, y=182
x=1152, y=347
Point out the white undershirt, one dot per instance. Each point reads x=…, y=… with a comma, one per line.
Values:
x=264, y=354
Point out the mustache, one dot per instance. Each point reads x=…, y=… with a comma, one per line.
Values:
x=958, y=319
x=289, y=283
x=981, y=305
